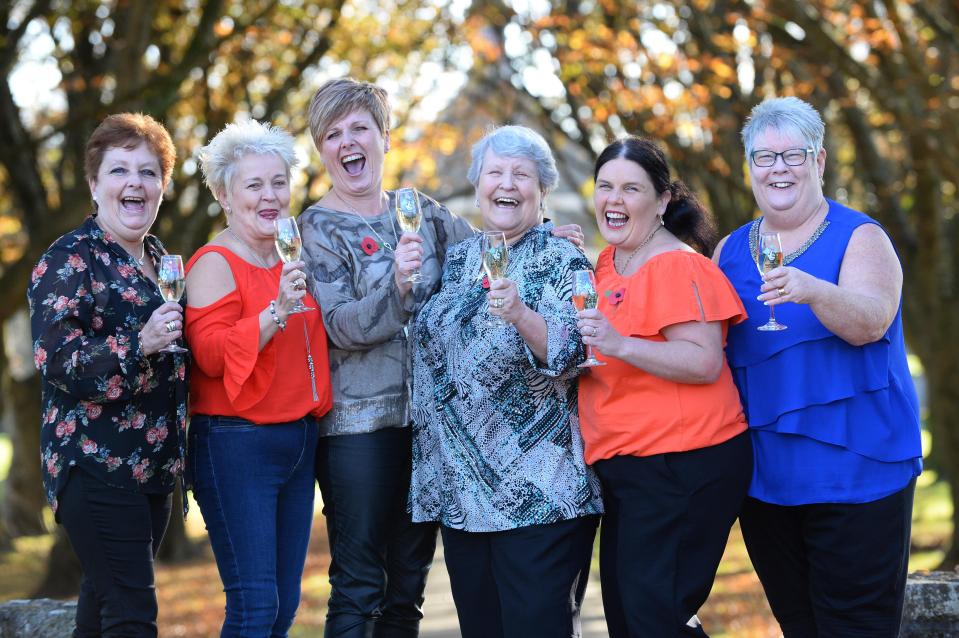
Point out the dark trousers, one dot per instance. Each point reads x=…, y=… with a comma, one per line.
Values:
x=254, y=486
x=522, y=583
x=116, y=534
x=379, y=558
x=832, y=570
x=664, y=532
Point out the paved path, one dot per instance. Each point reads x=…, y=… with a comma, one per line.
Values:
x=440, y=614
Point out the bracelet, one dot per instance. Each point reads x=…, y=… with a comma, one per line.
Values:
x=276, y=318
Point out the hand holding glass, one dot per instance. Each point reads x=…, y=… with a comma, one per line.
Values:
x=171, y=280
x=288, y=246
x=409, y=214
x=768, y=257
x=495, y=259
x=586, y=298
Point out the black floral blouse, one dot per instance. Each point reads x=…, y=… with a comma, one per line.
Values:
x=106, y=407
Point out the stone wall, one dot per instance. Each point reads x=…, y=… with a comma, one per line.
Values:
x=932, y=606
x=42, y=618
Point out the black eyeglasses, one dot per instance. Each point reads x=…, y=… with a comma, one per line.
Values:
x=792, y=157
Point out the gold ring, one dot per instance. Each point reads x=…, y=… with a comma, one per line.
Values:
x=782, y=292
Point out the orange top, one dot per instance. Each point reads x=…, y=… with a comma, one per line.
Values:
x=231, y=376
x=624, y=410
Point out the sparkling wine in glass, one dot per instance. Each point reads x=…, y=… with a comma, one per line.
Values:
x=768, y=257
x=585, y=298
x=171, y=280
x=495, y=259
x=288, y=246
x=409, y=214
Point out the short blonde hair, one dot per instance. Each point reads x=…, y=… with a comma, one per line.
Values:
x=340, y=97
x=218, y=158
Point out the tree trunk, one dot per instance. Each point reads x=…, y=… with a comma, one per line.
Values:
x=943, y=399
x=24, y=504
x=62, y=579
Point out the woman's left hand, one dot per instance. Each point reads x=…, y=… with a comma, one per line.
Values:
x=598, y=332
x=788, y=285
x=571, y=232
x=503, y=300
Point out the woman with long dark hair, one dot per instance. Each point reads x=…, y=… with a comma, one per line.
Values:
x=662, y=422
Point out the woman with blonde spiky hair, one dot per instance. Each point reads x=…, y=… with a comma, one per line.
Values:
x=260, y=380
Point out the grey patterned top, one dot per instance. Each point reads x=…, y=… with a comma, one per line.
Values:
x=496, y=439
x=362, y=309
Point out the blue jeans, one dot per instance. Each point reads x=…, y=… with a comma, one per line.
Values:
x=379, y=558
x=254, y=486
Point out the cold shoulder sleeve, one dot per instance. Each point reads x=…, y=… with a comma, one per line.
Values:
x=677, y=287
x=226, y=345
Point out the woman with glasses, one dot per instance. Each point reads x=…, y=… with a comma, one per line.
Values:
x=829, y=400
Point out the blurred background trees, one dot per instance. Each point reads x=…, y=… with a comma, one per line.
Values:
x=885, y=74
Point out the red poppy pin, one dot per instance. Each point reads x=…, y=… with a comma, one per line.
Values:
x=616, y=296
x=369, y=245
x=485, y=282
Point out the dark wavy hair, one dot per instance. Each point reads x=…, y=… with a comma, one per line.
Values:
x=685, y=216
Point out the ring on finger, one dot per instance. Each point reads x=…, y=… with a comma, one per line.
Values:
x=171, y=326
x=593, y=333
x=497, y=302
x=782, y=292
x=299, y=284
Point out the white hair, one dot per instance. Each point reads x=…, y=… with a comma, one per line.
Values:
x=516, y=141
x=784, y=113
x=249, y=137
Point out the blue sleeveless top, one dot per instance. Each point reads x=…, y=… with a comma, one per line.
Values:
x=830, y=422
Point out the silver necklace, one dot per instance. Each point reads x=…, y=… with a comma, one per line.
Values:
x=649, y=237
x=143, y=255
x=247, y=246
x=385, y=243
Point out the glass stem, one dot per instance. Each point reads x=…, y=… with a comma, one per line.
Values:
x=772, y=314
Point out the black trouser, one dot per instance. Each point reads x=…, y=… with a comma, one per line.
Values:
x=833, y=570
x=521, y=583
x=116, y=534
x=664, y=532
x=379, y=558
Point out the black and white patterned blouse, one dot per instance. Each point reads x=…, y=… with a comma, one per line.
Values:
x=107, y=408
x=496, y=443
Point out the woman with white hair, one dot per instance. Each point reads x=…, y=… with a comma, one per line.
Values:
x=497, y=451
x=259, y=382
x=830, y=402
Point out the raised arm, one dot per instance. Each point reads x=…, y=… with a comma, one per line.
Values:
x=861, y=306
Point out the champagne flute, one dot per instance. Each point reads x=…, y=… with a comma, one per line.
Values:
x=585, y=298
x=409, y=214
x=495, y=259
x=768, y=257
x=288, y=245
x=171, y=280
